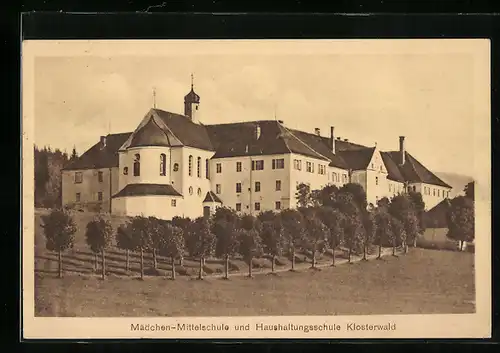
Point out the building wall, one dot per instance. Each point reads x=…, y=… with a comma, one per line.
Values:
x=431, y=194
x=267, y=196
x=156, y=206
x=377, y=184
x=393, y=188
x=89, y=188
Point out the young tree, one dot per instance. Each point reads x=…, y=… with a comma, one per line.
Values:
x=250, y=246
x=202, y=241
x=357, y=192
x=74, y=155
x=272, y=239
x=171, y=243
x=353, y=225
x=125, y=242
x=327, y=195
x=383, y=230
x=403, y=209
x=249, y=222
x=185, y=224
x=460, y=218
x=469, y=190
x=419, y=210
x=398, y=234
x=316, y=236
x=139, y=231
x=99, y=235
x=369, y=226
x=154, y=230
x=333, y=219
x=303, y=195
x=293, y=230
x=226, y=241
x=59, y=229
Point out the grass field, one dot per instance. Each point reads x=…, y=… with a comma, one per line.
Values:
x=420, y=282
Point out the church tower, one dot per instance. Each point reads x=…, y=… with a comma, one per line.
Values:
x=191, y=104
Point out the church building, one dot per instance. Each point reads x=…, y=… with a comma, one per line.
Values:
x=174, y=165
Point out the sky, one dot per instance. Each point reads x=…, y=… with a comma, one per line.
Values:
x=369, y=96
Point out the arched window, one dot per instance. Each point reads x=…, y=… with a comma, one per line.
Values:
x=190, y=165
x=206, y=169
x=163, y=163
x=198, y=165
x=137, y=165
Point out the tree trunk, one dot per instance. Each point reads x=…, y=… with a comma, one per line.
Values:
x=103, y=264
x=60, y=264
x=273, y=261
x=128, y=261
x=333, y=256
x=313, y=265
x=394, y=248
x=200, y=275
x=379, y=251
x=142, y=263
x=226, y=267
x=350, y=251
x=204, y=260
x=173, y=268
x=96, y=264
x=293, y=259
x=405, y=247
x=181, y=261
x=415, y=242
x=364, y=252
x=250, y=266
x=155, y=260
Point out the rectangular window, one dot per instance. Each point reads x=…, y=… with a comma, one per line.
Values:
x=376, y=180
x=390, y=187
x=217, y=188
x=278, y=185
x=257, y=206
x=100, y=177
x=207, y=172
x=99, y=196
x=78, y=177
x=257, y=186
x=433, y=192
x=238, y=166
x=344, y=178
x=438, y=192
x=278, y=205
x=78, y=197
x=321, y=169
x=258, y=165
x=238, y=207
x=238, y=187
x=279, y=163
x=218, y=168
x=309, y=167
x=297, y=164
x=173, y=203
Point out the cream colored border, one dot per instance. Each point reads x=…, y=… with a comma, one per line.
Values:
x=407, y=326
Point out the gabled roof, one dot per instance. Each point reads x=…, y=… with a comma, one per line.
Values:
x=150, y=135
x=211, y=197
x=393, y=172
x=413, y=171
x=357, y=159
x=147, y=190
x=97, y=157
x=436, y=217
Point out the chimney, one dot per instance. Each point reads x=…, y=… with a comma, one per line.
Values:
x=338, y=138
x=402, y=151
x=257, y=131
x=280, y=121
x=346, y=140
x=332, y=139
x=103, y=141
x=317, y=131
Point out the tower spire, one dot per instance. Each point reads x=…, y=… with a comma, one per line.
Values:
x=154, y=97
x=192, y=81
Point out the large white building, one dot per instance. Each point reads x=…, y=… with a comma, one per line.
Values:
x=174, y=165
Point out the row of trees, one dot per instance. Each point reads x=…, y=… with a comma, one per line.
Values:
x=329, y=218
x=48, y=183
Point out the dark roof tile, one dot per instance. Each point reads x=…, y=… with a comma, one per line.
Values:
x=147, y=190
x=150, y=135
x=211, y=197
x=357, y=159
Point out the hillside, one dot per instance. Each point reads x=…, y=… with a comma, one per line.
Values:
x=457, y=181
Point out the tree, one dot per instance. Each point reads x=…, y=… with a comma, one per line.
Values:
x=249, y=222
x=139, y=231
x=154, y=230
x=250, y=246
x=225, y=221
x=398, y=234
x=184, y=223
x=333, y=219
x=303, y=195
x=59, y=229
x=74, y=155
x=383, y=230
x=370, y=228
x=99, y=235
x=461, y=220
x=419, y=208
x=469, y=190
x=171, y=243
x=326, y=196
x=316, y=236
x=125, y=242
x=353, y=225
x=403, y=209
x=272, y=238
x=293, y=230
x=357, y=192
x=202, y=241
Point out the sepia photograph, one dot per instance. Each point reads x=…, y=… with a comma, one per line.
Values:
x=307, y=188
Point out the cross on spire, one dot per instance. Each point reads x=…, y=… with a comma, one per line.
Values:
x=192, y=81
x=154, y=97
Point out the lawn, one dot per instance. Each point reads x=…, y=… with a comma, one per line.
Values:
x=420, y=282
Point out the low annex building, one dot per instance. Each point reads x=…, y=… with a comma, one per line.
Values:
x=174, y=165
